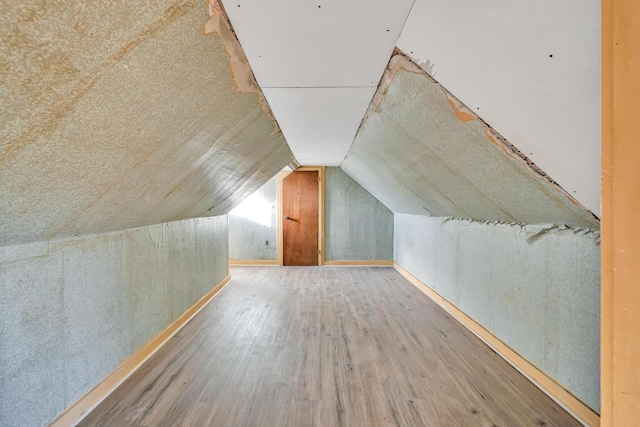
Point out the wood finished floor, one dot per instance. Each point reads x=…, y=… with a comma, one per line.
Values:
x=308, y=346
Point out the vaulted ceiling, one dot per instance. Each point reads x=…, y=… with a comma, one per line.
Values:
x=530, y=70
x=116, y=115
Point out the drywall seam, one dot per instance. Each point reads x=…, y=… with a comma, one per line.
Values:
x=241, y=71
x=78, y=410
x=401, y=61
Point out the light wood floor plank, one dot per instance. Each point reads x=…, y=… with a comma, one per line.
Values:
x=319, y=346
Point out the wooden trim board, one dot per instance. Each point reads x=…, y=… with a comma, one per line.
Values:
x=362, y=263
x=81, y=407
x=253, y=262
x=620, y=196
x=279, y=253
x=547, y=384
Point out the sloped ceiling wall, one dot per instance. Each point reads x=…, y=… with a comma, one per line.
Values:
x=531, y=69
x=117, y=115
x=420, y=151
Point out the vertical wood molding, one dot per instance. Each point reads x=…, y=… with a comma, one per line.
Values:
x=620, y=298
x=279, y=253
x=547, y=384
x=321, y=191
x=81, y=407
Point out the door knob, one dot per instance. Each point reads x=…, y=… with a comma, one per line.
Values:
x=286, y=217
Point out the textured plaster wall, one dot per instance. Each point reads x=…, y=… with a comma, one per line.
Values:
x=535, y=288
x=248, y=237
x=73, y=309
x=357, y=225
x=118, y=115
x=420, y=151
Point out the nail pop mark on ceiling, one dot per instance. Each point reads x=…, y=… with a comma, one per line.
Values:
x=313, y=60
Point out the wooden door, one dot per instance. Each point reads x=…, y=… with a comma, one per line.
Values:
x=300, y=222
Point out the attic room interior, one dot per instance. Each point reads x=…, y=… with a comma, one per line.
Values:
x=331, y=213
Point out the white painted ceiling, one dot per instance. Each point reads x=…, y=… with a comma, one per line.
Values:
x=318, y=64
x=531, y=69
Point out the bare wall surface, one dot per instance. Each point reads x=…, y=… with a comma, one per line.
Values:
x=73, y=309
x=117, y=115
x=536, y=288
x=253, y=226
x=357, y=225
x=422, y=152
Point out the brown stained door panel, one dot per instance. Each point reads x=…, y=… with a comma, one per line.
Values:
x=300, y=222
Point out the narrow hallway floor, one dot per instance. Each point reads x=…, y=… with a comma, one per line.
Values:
x=320, y=346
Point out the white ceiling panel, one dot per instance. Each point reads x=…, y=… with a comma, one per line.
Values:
x=293, y=43
x=328, y=156
x=319, y=122
x=530, y=69
x=311, y=112
x=318, y=64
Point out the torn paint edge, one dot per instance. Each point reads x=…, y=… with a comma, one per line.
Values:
x=241, y=71
x=533, y=231
x=401, y=61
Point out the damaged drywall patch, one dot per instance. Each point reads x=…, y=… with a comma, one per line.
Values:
x=401, y=61
x=241, y=71
x=428, y=66
x=383, y=86
x=219, y=23
x=532, y=231
x=435, y=123
x=461, y=110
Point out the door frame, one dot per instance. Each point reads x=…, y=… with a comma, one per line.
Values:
x=281, y=177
